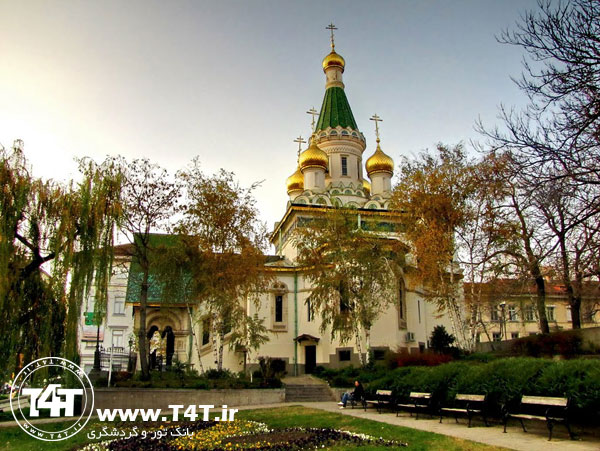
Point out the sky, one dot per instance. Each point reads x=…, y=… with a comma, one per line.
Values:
x=230, y=81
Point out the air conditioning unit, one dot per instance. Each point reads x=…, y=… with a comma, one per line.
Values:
x=410, y=336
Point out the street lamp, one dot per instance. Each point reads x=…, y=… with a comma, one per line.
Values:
x=97, y=351
x=129, y=362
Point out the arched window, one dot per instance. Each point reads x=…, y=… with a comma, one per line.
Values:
x=309, y=311
x=401, y=306
x=278, y=309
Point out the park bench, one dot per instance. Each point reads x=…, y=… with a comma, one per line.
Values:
x=418, y=402
x=354, y=402
x=543, y=408
x=383, y=399
x=470, y=405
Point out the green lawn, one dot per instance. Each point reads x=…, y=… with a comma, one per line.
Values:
x=296, y=416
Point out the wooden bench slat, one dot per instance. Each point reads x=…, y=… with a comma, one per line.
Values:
x=420, y=395
x=465, y=397
x=456, y=409
x=545, y=401
x=384, y=392
x=555, y=411
x=525, y=416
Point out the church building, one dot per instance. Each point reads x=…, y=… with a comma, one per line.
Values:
x=335, y=170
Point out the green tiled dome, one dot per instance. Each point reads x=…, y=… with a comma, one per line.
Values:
x=336, y=110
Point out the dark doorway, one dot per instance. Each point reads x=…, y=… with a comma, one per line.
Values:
x=170, y=344
x=310, y=358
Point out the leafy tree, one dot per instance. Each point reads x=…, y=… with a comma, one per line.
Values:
x=433, y=193
x=440, y=340
x=67, y=229
x=353, y=273
x=481, y=241
x=150, y=199
x=226, y=240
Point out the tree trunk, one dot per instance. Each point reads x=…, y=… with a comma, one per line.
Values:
x=221, y=346
x=142, y=340
x=195, y=336
x=534, y=268
x=363, y=360
x=213, y=332
x=576, y=312
x=368, y=342
x=540, y=284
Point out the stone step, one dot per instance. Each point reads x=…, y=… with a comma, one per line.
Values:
x=307, y=393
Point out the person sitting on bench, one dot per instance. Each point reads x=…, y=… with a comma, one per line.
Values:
x=356, y=395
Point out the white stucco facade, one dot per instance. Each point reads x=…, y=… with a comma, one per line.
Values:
x=330, y=173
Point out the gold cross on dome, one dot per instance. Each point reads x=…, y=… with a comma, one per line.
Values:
x=300, y=141
x=331, y=27
x=377, y=119
x=313, y=113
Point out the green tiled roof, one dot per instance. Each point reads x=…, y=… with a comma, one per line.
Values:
x=158, y=243
x=336, y=110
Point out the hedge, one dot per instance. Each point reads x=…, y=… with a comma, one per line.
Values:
x=503, y=380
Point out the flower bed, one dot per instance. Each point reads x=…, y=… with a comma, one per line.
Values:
x=240, y=435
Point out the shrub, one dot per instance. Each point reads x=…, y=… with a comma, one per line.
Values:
x=504, y=380
x=483, y=357
x=558, y=343
x=319, y=370
x=441, y=340
x=440, y=381
x=218, y=374
x=278, y=367
x=421, y=359
x=578, y=380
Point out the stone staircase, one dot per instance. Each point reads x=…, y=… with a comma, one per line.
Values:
x=306, y=388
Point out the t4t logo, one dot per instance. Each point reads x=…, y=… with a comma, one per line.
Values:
x=39, y=400
x=30, y=399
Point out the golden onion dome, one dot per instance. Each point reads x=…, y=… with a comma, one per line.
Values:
x=313, y=157
x=333, y=59
x=366, y=186
x=295, y=182
x=379, y=162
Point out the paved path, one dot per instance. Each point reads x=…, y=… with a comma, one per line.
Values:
x=515, y=438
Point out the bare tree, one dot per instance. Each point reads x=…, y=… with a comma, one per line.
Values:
x=574, y=229
x=560, y=128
